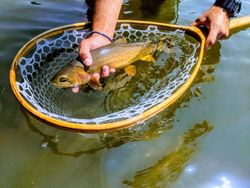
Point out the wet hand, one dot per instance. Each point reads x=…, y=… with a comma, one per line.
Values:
x=106, y=71
x=91, y=43
x=217, y=21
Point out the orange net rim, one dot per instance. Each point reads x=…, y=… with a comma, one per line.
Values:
x=80, y=127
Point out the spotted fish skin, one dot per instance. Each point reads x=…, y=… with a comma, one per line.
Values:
x=116, y=55
x=120, y=55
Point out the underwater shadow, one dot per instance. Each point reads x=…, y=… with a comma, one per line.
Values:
x=51, y=141
x=169, y=168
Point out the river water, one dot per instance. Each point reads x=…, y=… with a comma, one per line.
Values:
x=201, y=141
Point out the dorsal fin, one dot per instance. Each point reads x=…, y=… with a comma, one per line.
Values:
x=121, y=40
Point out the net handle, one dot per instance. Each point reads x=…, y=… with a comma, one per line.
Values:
x=239, y=23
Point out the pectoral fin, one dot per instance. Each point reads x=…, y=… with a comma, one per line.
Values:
x=95, y=84
x=148, y=58
x=130, y=70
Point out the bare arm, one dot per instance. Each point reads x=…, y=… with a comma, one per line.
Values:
x=105, y=17
x=106, y=13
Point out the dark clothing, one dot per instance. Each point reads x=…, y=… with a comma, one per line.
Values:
x=90, y=4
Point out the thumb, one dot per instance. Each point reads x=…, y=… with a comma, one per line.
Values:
x=85, y=54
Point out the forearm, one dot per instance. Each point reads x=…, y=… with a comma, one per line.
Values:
x=105, y=16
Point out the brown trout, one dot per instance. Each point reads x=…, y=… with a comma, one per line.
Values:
x=118, y=55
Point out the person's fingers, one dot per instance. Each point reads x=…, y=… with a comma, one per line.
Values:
x=85, y=54
x=224, y=33
x=199, y=21
x=96, y=76
x=112, y=70
x=212, y=35
x=105, y=71
x=87, y=61
x=75, y=89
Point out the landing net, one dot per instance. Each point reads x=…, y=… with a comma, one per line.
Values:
x=153, y=84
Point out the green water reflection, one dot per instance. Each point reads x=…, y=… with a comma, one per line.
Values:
x=168, y=169
x=169, y=150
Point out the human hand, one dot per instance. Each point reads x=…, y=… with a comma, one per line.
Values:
x=217, y=21
x=86, y=45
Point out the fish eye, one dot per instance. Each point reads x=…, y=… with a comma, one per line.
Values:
x=63, y=79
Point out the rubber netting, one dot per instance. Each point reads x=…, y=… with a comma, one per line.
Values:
x=154, y=84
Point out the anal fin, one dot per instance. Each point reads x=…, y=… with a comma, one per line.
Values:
x=130, y=70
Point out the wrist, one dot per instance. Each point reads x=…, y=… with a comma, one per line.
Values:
x=97, y=40
x=105, y=28
x=232, y=7
x=101, y=34
x=221, y=10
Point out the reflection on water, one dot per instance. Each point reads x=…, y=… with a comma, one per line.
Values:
x=167, y=170
x=152, y=10
x=225, y=180
x=50, y=140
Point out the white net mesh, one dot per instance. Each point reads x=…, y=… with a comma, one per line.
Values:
x=153, y=83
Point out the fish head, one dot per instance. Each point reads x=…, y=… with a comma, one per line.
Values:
x=71, y=76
